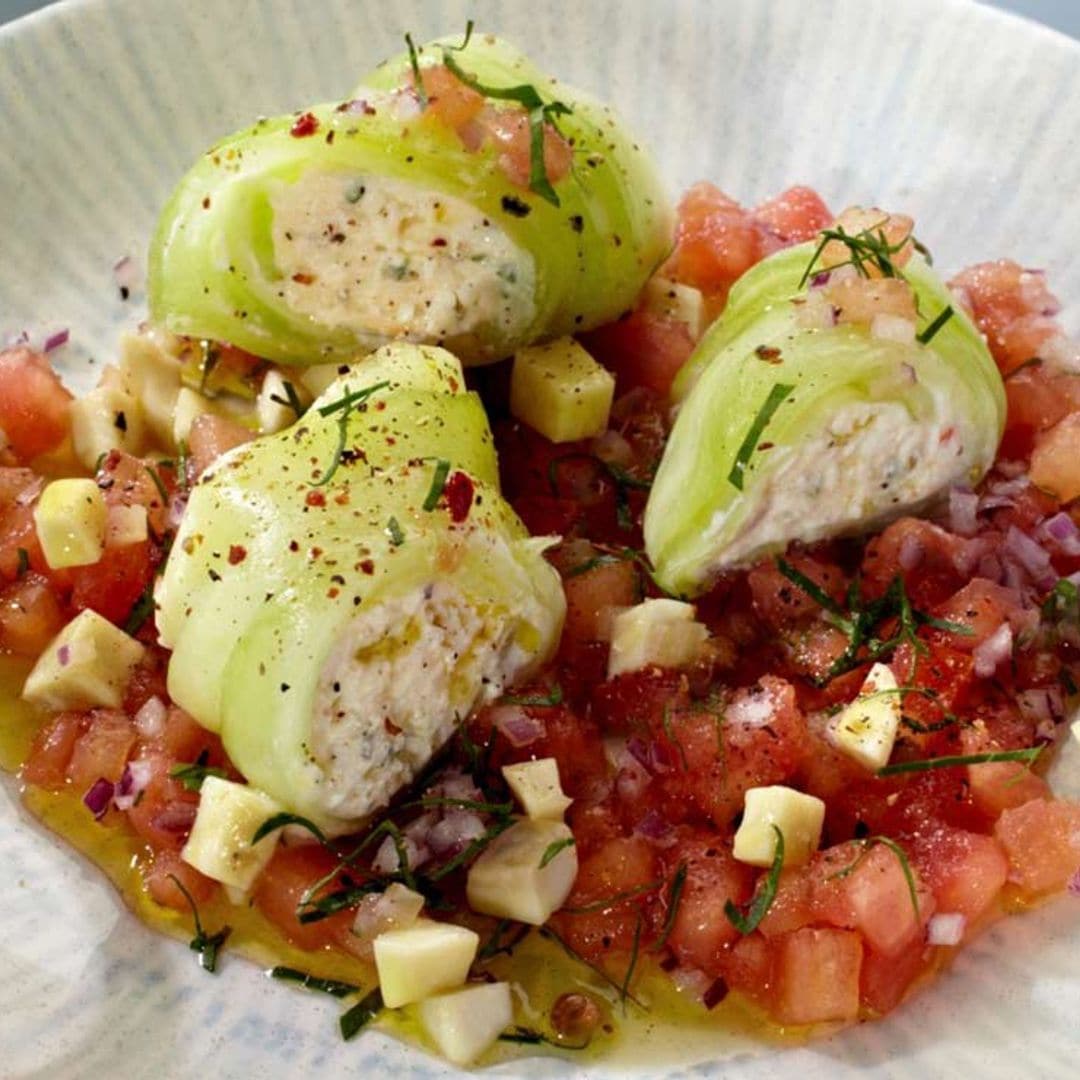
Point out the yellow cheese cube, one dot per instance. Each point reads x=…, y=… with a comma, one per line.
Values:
x=661, y=633
x=423, y=959
x=88, y=664
x=866, y=729
x=70, y=519
x=682, y=303
x=189, y=405
x=464, y=1023
x=220, y=842
x=108, y=418
x=799, y=817
x=150, y=371
x=537, y=787
x=525, y=873
x=126, y=525
x=561, y=391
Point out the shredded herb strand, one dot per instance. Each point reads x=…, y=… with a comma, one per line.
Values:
x=746, y=922
x=927, y=335
x=777, y=395
x=361, y=1014
x=334, y=987
x=1027, y=756
x=206, y=945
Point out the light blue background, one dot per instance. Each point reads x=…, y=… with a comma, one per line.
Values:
x=1063, y=15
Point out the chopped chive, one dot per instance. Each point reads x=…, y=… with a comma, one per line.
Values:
x=554, y=848
x=809, y=586
x=868, y=246
x=501, y=809
x=291, y=399
x=206, y=945
x=776, y=398
x=158, y=483
x=868, y=844
x=361, y=1014
x=438, y=484
x=530, y=1037
x=312, y=911
x=746, y=922
x=397, y=537
x=182, y=456
x=279, y=821
x=500, y=826
x=334, y=987
x=678, y=883
x=141, y=610
x=1028, y=756
x=210, y=358
x=552, y=935
x=193, y=775
x=927, y=335
x=635, y=949
x=615, y=899
x=351, y=398
x=496, y=945
x=414, y=63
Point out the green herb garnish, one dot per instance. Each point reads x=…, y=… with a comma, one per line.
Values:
x=678, y=883
x=279, y=821
x=746, y=922
x=414, y=63
x=526, y=95
x=927, y=335
x=869, y=246
x=158, y=483
x=24, y=562
x=635, y=949
x=608, y=902
x=193, y=775
x=438, y=484
x=334, y=987
x=1027, y=756
x=393, y=529
x=531, y=1037
x=291, y=399
x=361, y=1014
x=551, y=935
x=206, y=945
x=141, y=610
x=344, y=405
x=497, y=945
x=777, y=395
x=552, y=698
x=868, y=844
x=554, y=848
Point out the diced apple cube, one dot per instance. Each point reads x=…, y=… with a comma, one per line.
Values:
x=464, y=1023
x=273, y=406
x=88, y=664
x=799, y=818
x=683, y=303
x=108, y=418
x=559, y=390
x=525, y=873
x=70, y=519
x=660, y=633
x=220, y=842
x=126, y=525
x=537, y=787
x=423, y=959
x=151, y=374
x=190, y=405
x=865, y=730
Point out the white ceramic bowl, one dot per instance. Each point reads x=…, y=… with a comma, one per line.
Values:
x=960, y=115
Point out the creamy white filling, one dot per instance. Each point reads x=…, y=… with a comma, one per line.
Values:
x=871, y=463
x=395, y=686
x=389, y=259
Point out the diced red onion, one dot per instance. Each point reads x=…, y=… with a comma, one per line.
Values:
x=386, y=859
x=963, y=507
x=1074, y=884
x=995, y=502
x=946, y=929
x=990, y=567
x=54, y=341
x=751, y=710
x=132, y=784
x=519, y=727
x=99, y=797
x=391, y=910
x=63, y=654
x=150, y=719
x=691, y=981
x=613, y=448
x=654, y=826
x=455, y=785
x=995, y=650
x=1042, y=705
x=455, y=832
x=14, y=340
x=1063, y=531
x=406, y=105
x=639, y=750
x=631, y=780
x=819, y=279
x=30, y=493
x=1034, y=558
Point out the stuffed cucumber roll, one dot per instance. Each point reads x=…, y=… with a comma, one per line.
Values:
x=840, y=388
x=340, y=595
x=459, y=197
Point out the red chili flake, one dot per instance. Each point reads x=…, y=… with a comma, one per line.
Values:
x=294, y=545
x=315, y=498
x=333, y=592
x=315, y=552
x=459, y=496
x=206, y=203
x=237, y=554
x=367, y=566
x=306, y=124
x=303, y=279
x=342, y=498
x=439, y=241
x=391, y=727
x=769, y=353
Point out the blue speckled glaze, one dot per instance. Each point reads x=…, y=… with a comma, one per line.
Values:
x=958, y=114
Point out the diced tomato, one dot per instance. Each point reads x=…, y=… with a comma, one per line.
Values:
x=795, y=215
x=623, y=865
x=884, y=980
x=509, y=130
x=102, y=750
x=186, y=740
x=131, y=481
x=1001, y=785
x=643, y=349
x=1038, y=398
x=1055, y=464
x=34, y=406
x=210, y=437
x=747, y=967
x=163, y=871
x=926, y=556
x=164, y=814
x=1042, y=842
x=702, y=931
x=964, y=870
x=716, y=240
x=817, y=976
x=46, y=765
x=982, y=606
x=779, y=601
x=449, y=99
x=19, y=546
x=593, y=595
x=112, y=585
x=30, y=615
x=282, y=885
